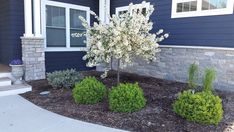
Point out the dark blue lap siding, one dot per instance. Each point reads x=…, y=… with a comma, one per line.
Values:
x=11, y=28
x=65, y=60
x=216, y=31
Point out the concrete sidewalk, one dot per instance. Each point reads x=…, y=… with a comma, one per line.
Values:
x=20, y=115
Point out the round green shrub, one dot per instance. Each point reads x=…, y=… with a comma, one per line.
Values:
x=201, y=107
x=126, y=98
x=89, y=91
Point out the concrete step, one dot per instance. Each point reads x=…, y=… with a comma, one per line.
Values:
x=14, y=89
x=5, y=81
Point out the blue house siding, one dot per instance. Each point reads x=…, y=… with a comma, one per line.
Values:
x=67, y=60
x=214, y=31
x=11, y=28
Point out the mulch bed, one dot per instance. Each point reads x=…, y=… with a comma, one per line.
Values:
x=156, y=116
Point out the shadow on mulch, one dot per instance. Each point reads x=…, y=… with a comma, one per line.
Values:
x=156, y=116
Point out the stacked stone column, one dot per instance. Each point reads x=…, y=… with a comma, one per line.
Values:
x=33, y=56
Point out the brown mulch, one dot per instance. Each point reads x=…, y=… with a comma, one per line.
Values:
x=156, y=116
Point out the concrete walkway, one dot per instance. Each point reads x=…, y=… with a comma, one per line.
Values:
x=20, y=115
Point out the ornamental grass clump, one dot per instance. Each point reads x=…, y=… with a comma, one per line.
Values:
x=193, y=76
x=64, y=79
x=209, y=77
x=126, y=36
x=126, y=98
x=89, y=91
x=202, y=107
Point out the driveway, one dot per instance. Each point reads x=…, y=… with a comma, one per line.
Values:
x=20, y=115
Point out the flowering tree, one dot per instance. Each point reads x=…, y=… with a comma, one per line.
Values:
x=125, y=37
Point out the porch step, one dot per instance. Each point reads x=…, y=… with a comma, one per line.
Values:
x=5, y=81
x=14, y=89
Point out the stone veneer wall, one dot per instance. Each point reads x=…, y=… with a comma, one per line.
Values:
x=33, y=56
x=173, y=63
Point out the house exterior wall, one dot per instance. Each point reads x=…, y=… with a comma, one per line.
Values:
x=215, y=31
x=173, y=62
x=11, y=28
x=67, y=59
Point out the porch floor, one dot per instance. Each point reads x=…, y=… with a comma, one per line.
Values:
x=4, y=68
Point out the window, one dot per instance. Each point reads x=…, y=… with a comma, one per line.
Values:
x=55, y=27
x=193, y=8
x=62, y=20
x=186, y=6
x=124, y=9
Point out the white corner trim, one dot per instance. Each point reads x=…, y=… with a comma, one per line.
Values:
x=196, y=47
x=67, y=11
x=200, y=12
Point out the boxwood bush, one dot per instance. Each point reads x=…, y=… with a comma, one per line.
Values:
x=126, y=98
x=89, y=91
x=201, y=107
x=64, y=79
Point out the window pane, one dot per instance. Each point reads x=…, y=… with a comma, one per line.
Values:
x=186, y=6
x=193, y=6
x=213, y=4
x=75, y=22
x=179, y=7
x=55, y=37
x=55, y=26
x=77, y=41
x=77, y=27
x=122, y=12
x=55, y=16
x=205, y=4
x=143, y=11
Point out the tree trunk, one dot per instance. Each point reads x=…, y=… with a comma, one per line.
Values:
x=118, y=76
x=111, y=67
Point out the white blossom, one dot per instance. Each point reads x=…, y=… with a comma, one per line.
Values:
x=125, y=37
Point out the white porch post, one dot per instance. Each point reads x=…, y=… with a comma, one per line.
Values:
x=28, y=18
x=33, y=54
x=107, y=11
x=37, y=18
x=104, y=10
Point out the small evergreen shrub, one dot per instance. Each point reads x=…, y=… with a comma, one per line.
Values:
x=89, y=91
x=63, y=79
x=208, y=80
x=193, y=76
x=126, y=98
x=201, y=107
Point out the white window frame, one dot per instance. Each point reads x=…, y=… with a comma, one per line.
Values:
x=67, y=16
x=125, y=8
x=200, y=12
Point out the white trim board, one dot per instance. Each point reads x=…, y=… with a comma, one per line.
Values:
x=67, y=10
x=196, y=47
x=199, y=12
